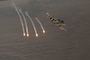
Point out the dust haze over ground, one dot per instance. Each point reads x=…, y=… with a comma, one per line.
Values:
x=55, y=44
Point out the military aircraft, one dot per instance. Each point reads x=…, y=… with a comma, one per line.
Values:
x=58, y=22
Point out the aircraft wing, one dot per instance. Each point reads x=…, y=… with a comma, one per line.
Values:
x=62, y=27
x=55, y=21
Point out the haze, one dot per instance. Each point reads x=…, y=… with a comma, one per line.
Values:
x=54, y=44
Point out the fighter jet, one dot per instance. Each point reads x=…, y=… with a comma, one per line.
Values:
x=58, y=22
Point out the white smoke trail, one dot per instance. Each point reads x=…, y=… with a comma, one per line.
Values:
x=22, y=24
x=32, y=23
x=25, y=22
x=40, y=24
